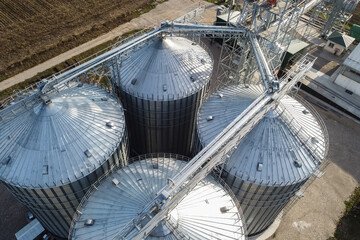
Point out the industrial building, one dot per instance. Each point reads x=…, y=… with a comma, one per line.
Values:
x=274, y=160
x=209, y=211
x=54, y=147
x=161, y=86
x=349, y=73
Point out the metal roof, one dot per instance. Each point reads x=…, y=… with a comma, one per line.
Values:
x=296, y=45
x=207, y=212
x=46, y=145
x=224, y=106
x=341, y=39
x=234, y=17
x=268, y=155
x=32, y=230
x=353, y=60
x=167, y=68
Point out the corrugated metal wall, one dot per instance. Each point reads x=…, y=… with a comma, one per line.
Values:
x=260, y=204
x=162, y=126
x=55, y=207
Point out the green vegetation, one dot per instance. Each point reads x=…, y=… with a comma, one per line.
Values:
x=348, y=227
x=218, y=2
x=87, y=54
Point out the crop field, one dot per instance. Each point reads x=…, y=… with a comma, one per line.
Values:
x=33, y=31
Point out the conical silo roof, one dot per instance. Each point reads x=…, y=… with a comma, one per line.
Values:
x=50, y=144
x=167, y=68
x=207, y=212
x=222, y=108
x=274, y=152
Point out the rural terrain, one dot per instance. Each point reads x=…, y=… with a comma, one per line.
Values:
x=33, y=31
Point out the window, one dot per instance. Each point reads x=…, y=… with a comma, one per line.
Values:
x=331, y=45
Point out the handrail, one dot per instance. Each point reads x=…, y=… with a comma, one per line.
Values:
x=94, y=186
x=319, y=119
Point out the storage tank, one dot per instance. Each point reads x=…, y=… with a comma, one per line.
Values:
x=207, y=212
x=162, y=85
x=271, y=163
x=54, y=147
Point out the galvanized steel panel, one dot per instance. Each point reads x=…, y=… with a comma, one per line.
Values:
x=49, y=170
x=161, y=86
x=261, y=170
x=197, y=216
x=180, y=64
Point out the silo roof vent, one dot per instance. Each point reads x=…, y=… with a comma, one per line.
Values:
x=6, y=160
x=45, y=170
x=133, y=82
x=80, y=84
x=224, y=209
x=260, y=166
x=89, y=222
x=203, y=61
x=110, y=124
x=297, y=163
x=164, y=87
x=305, y=111
x=115, y=181
x=221, y=95
x=88, y=153
x=314, y=140
x=209, y=118
x=104, y=99
x=192, y=78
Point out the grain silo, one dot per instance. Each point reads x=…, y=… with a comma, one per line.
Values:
x=274, y=160
x=54, y=147
x=207, y=212
x=162, y=85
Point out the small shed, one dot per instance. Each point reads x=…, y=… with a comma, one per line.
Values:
x=338, y=43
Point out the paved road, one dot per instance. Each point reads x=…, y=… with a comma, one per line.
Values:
x=168, y=10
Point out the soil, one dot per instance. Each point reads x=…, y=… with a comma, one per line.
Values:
x=33, y=31
x=12, y=214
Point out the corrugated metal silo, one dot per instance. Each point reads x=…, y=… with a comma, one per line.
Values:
x=271, y=163
x=207, y=212
x=162, y=85
x=52, y=148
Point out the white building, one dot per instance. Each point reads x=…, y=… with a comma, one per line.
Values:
x=349, y=73
x=338, y=43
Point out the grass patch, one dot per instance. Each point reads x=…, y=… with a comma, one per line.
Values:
x=348, y=227
x=89, y=54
